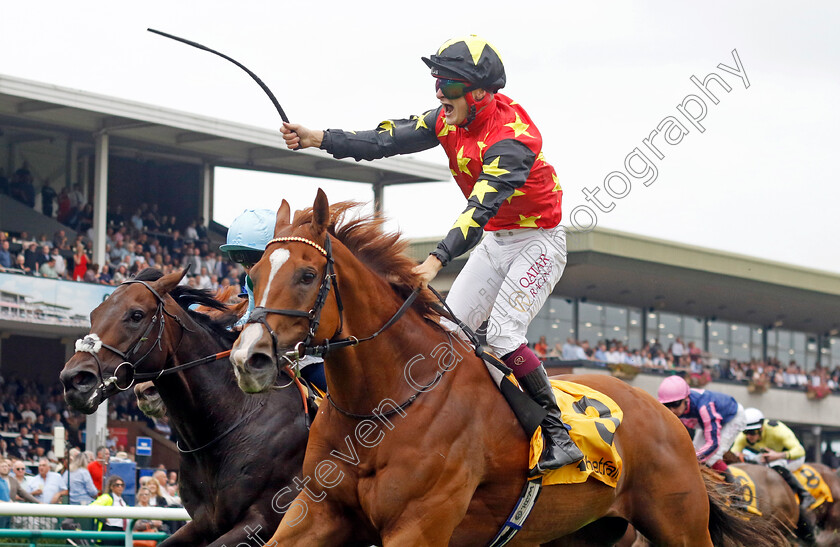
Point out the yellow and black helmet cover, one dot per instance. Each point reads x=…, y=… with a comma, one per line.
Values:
x=470, y=59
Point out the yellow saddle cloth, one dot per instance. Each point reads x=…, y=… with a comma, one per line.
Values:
x=593, y=418
x=746, y=488
x=815, y=484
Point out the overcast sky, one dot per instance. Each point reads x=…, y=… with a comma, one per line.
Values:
x=760, y=179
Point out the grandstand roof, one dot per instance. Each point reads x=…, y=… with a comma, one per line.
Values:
x=31, y=110
x=615, y=267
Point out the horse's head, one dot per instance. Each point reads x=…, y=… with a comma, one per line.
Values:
x=290, y=285
x=149, y=400
x=127, y=331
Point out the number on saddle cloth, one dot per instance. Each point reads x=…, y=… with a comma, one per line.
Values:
x=813, y=482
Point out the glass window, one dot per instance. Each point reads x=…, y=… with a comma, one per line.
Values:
x=719, y=338
x=670, y=327
x=554, y=321
x=693, y=331
x=739, y=340
x=755, y=342
x=634, y=329
x=615, y=323
x=834, y=351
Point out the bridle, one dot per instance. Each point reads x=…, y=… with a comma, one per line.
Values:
x=305, y=346
x=92, y=344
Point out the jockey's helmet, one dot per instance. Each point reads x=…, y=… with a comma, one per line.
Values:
x=754, y=418
x=249, y=232
x=672, y=389
x=468, y=59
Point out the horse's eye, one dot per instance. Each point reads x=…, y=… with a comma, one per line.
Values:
x=137, y=316
x=307, y=277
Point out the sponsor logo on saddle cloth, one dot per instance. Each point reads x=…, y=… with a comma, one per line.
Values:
x=594, y=419
x=746, y=489
x=815, y=484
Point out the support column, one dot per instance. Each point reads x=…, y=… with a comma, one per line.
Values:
x=378, y=198
x=207, y=183
x=100, y=197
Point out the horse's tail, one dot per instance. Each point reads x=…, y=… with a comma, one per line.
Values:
x=733, y=528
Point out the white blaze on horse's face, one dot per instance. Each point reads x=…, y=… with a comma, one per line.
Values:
x=246, y=340
x=278, y=258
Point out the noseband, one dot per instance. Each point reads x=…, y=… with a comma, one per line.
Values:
x=92, y=344
x=305, y=346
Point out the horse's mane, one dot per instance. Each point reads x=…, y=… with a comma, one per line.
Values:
x=216, y=324
x=382, y=252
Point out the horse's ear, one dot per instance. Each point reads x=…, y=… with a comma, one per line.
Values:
x=284, y=212
x=320, y=214
x=168, y=282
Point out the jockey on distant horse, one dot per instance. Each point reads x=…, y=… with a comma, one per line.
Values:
x=717, y=417
x=247, y=237
x=495, y=155
x=772, y=443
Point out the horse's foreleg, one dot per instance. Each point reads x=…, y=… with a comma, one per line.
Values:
x=185, y=536
x=249, y=532
x=427, y=523
x=315, y=524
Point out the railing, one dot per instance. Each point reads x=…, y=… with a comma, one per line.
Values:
x=88, y=511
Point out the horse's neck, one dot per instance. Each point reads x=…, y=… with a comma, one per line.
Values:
x=199, y=396
x=377, y=369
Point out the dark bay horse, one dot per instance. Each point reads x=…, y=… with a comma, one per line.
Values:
x=774, y=498
x=239, y=454
x=416, y=445
x=828, y=514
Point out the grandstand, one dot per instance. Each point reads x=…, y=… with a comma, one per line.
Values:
x=620, y=289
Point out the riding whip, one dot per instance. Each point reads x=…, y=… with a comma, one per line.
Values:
x=234, y=61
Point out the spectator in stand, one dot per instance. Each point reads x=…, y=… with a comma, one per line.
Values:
x=112, y=497
x=190, y=233
x=91, y=273
x=59, y=240
x=80, y=483
x=159, y=477
x=601, y=353
x=137, y=220
x=155, y=497
x=48, y=269
x=120, y=275
x=99, y=467
x=80, y=261
x=5, y=256
x=104, y=277
x=60, y=264
x=48, y=196
x=30, y=257
x=541, y=348
x=77, y=203
x=46, y=486
x=16, y=480
x=677, y=349
x=116, y=218
x=85, y=222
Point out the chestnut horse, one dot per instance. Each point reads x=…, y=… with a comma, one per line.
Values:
x=239, y=454
x=416, y=445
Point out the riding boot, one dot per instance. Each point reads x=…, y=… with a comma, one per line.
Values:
x=806, y=527
x=559, y=449
x=805, y=497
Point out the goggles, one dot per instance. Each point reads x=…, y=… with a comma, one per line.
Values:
x=246, y=258
x=452, y=89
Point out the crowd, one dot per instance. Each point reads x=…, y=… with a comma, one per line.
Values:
x=145, y=239
x=696, y=364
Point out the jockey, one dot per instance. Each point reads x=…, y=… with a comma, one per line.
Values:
x=772, y=443
x=247, y=237
x=513, y=194
x=717, y=417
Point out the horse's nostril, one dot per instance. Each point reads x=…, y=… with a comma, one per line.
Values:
x=83, y=381
x=259, y=362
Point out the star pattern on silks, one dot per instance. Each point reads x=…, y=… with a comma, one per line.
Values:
x=516, y=194
x=454, y=174
x=541, y=157
x=388, y=126
x=481, y=188
x=465, y=222
x=421, y=122
x=462, y=162
x=519, y=127
x=444, y=131
x=527, y=222
x=557, y=187
x=493, y=168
